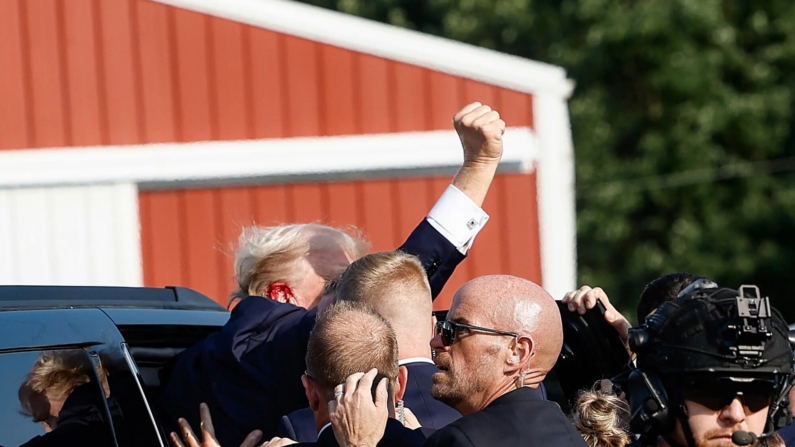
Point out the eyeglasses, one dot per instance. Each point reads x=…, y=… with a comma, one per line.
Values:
x=716, y=398
x=449, y=331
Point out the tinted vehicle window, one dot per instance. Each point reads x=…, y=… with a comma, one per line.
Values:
x=53, y=397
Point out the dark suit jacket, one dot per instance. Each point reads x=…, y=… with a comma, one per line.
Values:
x=516, y=419
x=249, y=372
x=395, y=435
x=300, y=425
x=82, y=422
x=430, y=412
x=788, y=435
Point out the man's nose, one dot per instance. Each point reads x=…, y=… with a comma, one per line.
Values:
x=436, y=343
x=734, y=412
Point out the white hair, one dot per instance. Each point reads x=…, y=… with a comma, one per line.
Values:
x=269, y=254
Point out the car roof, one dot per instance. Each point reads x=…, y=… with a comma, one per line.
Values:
x=66, y=297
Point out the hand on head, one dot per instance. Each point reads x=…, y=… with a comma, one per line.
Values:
x=356, y=418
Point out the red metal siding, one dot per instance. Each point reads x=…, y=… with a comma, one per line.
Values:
x=92, y=72
x=188, y=235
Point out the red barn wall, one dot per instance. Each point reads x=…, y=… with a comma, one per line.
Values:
x=92, y=72
x=188, y=235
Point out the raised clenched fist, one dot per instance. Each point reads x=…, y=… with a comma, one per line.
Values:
x=480, y=130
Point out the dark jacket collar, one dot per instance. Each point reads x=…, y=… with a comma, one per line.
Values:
x=523, y=394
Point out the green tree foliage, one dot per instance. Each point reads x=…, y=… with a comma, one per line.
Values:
x=682, y=122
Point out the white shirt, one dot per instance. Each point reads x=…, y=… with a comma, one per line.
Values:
x=323, y=428
x=456, y=217
x=415, y=360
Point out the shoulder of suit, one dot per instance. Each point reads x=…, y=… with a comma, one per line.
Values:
x=449, y=436
x=543, y=418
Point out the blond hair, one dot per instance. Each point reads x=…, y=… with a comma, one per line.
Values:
x=395, y=285
x=775, y=440
x=601, y=418
x=54, y=376
x=349, y=338
x=373, y=275
x=269, y=254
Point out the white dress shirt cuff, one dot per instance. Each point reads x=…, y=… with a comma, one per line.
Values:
x=456, y=217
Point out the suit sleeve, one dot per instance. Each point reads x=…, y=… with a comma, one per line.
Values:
x=438, y=255
x=448, y=437
x=285, y=428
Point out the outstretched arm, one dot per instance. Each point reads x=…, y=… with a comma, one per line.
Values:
x=442, y=240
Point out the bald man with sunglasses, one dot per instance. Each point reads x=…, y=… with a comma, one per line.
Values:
x=502, y=333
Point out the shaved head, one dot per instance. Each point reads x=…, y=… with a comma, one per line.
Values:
x=521, y=306
x=509, y=335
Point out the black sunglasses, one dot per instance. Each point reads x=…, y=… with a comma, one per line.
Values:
x=716, y=398
x=449, y=330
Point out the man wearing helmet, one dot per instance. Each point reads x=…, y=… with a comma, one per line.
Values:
x=713, y=369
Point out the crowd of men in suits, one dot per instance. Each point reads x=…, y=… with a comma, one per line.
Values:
x=328, y=345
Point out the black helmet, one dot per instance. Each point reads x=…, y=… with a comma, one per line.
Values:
x=708, y=338
x=720, y=331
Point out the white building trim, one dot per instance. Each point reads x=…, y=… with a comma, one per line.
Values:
x=556, y=199
x=70, y=235
x=173, y=165
x=390, y=42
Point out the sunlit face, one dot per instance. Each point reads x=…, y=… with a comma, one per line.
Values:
x=470, y=366
x=714, y=428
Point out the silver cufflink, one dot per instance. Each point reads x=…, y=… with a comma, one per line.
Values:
x=472, y=224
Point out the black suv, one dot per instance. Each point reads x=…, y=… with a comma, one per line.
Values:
x=83, y=362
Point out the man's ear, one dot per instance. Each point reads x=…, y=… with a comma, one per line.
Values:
x=281, y=292
x=402, y=380
x=311, y=391
x=519, y=357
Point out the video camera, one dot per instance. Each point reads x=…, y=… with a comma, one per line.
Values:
x=592, y=350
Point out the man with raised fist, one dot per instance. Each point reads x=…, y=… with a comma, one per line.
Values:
x=249, y=372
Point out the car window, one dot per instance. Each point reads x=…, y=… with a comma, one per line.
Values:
x=53, y=397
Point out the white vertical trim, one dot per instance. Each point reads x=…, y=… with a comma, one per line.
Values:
x=7, y=248
x=70, y=236
x=63, y=235
x=556, y=206
x=31, y=236
x=128, y=235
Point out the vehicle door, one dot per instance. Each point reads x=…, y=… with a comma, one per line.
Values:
x=68, y=379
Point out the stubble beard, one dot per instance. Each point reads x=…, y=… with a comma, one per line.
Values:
x=704, y=441
x=455, y=388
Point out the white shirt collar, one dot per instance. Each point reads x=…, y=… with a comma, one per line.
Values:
x=415, y=360
x=323, y=428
